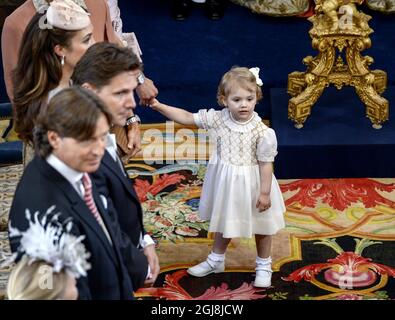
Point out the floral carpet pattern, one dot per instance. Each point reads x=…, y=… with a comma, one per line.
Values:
x=9, y=177
x=170, y=199
x=338, y=242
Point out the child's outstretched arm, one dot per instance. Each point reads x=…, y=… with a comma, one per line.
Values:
x=176, y=114
x=265, y=172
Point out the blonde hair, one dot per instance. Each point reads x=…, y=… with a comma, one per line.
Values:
x=26, y=280
x=241, y=76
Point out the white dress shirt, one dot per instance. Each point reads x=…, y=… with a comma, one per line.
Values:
x=75, y=179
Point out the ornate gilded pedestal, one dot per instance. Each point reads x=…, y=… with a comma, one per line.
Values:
x=339, y=38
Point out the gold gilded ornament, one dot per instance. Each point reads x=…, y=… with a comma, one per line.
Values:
x=340, y=32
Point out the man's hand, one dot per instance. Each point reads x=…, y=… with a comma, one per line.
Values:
x=153, y=261
x=134, y=139
x=146, y=92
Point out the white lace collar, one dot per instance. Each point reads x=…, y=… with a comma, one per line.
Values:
x=240, y=126
x=43, y=3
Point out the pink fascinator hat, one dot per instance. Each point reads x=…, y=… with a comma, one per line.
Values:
x=66, y=15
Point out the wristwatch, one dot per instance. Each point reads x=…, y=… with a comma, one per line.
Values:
x=133, y=119
x=140, y=78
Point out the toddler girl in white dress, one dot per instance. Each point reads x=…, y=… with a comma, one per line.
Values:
x=240, y=195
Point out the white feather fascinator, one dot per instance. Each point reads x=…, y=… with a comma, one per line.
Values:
x=50, y=240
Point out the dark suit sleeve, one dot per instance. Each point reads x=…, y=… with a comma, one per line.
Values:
x=84, y=292
x=135, y=261
x=83, y=289
x=100, y=182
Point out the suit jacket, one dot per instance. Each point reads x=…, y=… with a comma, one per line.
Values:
x=42, y=186
x=16, y=23
x=112, y=182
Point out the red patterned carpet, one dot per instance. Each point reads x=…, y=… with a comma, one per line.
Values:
x=338, y=242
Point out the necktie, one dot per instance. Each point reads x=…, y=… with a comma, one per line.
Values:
x=88, y=198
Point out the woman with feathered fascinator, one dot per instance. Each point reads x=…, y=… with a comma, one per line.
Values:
x=51, y=259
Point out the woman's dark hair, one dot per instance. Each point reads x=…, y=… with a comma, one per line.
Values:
x=73, y=113
x=38, y=71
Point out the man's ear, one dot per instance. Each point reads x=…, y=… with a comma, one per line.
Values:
x=53, y=139
x=89, y=86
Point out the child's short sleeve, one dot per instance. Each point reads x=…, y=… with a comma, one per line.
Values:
x=267, y=146
x=204, y=118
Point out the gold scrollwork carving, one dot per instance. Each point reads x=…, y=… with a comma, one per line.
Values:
x=339, y=32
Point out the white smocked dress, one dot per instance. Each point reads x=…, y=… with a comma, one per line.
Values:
x=232, y=183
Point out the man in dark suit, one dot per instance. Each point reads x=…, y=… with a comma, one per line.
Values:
x=70, y=138
x=112, y=72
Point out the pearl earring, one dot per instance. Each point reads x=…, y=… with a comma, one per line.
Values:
x=62, y=61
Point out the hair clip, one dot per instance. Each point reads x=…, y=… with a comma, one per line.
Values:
x=255, y=72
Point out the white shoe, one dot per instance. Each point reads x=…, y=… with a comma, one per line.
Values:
x=263, y=277
x=204, y=268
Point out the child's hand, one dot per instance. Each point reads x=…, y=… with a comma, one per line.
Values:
x=263, y=202
x=154, y=103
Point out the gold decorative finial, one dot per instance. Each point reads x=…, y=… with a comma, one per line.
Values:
x=339, y=31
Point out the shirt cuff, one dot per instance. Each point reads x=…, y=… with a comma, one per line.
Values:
x=149, y=275
x=146, y=241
